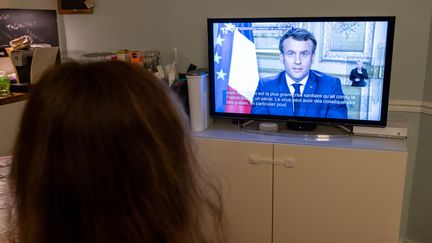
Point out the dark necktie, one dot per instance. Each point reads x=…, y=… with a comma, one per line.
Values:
x=297, y=96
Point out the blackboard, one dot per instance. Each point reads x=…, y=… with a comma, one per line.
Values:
x=40, y=25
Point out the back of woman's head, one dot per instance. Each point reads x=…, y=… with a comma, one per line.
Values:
x=104, y=155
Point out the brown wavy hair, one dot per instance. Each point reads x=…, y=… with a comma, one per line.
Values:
x=104, y=154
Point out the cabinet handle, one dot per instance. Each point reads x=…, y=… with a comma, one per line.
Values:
x=256, y=159
x=287, y=162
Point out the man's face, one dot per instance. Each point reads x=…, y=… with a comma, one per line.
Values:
x=297, y=58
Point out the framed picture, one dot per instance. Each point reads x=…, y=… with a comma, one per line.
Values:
x=75, y=6
x=344, y=41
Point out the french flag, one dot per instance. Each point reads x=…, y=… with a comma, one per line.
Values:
x=236, y=67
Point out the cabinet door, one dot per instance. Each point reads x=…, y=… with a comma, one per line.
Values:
x=338, y=195
x=246, y=188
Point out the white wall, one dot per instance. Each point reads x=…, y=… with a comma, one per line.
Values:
x=420, y=215
x=427, y=95
x=114, y=25
x=10, y=116
x=4, y=4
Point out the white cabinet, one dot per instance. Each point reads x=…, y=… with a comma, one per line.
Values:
x=246, y=189
x=328, y=193
x=334, y=195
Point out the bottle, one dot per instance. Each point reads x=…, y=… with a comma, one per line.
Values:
x=4, y=84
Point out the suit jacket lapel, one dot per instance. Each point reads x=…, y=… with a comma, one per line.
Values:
x=283, y=89
x=310, y=86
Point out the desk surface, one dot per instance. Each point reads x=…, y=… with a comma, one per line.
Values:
x=14, y=97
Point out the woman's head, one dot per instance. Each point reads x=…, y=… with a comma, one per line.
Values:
x=104, y=155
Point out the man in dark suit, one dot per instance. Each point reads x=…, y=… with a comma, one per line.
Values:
x=299, y=91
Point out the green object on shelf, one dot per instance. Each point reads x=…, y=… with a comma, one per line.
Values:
x=4, y=84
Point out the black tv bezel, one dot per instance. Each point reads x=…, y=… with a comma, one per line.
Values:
x=391, y=20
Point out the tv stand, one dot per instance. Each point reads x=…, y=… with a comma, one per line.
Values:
x=278, y=184
x=301, y=126
x=310, y=131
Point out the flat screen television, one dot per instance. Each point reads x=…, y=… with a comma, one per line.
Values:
x=318, y=70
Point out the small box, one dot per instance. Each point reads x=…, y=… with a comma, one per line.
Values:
x=394, y=129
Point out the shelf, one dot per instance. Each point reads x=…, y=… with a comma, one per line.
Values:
x=14, y=97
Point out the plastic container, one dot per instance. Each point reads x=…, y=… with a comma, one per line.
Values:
x=197, y=81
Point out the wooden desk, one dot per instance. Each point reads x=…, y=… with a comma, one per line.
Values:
x=14, y=97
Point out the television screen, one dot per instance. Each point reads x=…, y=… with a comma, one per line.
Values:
x=330, y=70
